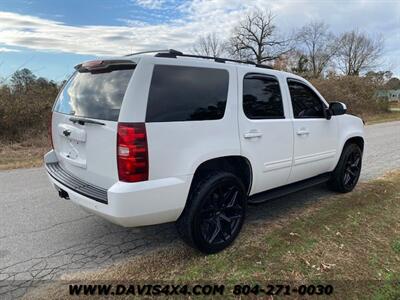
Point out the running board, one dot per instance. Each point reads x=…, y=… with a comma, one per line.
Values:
x=288, y=189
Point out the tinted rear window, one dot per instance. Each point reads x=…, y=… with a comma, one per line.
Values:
x=187, y=94
x=97, y=96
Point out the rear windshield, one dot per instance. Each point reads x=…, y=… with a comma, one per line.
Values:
x=97, y=96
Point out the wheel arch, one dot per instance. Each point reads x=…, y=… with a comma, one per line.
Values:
x=236, y=164
x=356, y=139
x=338, y=181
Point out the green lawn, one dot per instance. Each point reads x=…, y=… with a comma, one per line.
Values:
x=351, y=241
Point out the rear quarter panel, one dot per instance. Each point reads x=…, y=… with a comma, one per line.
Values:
x=178, y=148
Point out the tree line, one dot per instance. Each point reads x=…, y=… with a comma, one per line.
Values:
x=313, y=51
x=331, y=62
x=25, y=105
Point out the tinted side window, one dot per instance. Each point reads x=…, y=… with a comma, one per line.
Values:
x=262, y=97
x=305, y=103
x=187, y=93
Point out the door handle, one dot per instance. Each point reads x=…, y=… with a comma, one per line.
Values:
x=252, y=134
x=303, y=132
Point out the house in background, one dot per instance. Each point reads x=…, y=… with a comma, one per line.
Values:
x=389, y=95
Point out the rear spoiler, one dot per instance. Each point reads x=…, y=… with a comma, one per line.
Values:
x=104, y=66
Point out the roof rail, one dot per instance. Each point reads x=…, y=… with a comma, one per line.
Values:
x=171, y=53
x=151, y=51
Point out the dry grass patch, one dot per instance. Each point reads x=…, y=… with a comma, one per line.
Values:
x=351, y=241
x=26, y=154
x=394, y=105
x=381, y=117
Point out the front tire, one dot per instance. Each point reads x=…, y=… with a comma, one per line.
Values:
x=347, y=172
x=215, y=212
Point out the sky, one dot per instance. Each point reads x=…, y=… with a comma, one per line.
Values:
x=51, y=36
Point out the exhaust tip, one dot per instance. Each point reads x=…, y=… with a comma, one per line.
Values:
x=63, y=194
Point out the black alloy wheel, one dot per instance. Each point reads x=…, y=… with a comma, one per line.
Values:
x=221, y=215
x=352, y=169
x=215, y=212
x=347, y=172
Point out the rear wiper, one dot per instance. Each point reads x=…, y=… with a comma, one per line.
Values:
x=82, y=121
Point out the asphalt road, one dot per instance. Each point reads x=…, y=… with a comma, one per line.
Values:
x=43, y=236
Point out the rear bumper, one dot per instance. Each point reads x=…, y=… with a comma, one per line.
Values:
x=55, y=171
x=130, y=204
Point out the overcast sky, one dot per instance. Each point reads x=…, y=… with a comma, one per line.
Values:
x=50, y=37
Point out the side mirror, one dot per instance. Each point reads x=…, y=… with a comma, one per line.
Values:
x=337, y=108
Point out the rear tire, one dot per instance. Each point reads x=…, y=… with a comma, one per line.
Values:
x=347, y=172
x=214, y=214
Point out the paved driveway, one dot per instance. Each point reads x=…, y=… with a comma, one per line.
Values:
x=42, y=236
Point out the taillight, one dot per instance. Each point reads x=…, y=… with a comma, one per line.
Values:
x=132, y=154
x=51, y=130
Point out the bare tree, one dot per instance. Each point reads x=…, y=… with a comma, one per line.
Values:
x=293, y=61
x=255, y=38
x=209, y=45
x=299, y=64
x=319, y=46
x=358, y=52
x=380, y=77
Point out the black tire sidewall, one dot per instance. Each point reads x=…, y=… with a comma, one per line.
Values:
x=339, y=173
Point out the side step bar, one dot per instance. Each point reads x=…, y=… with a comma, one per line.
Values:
x=288, y=189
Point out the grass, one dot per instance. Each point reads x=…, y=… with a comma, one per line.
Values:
x=26, y=154
x=394, y=105
x=351, y=241
x=396, y=246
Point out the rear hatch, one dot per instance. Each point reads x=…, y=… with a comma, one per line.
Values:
x=85, y=120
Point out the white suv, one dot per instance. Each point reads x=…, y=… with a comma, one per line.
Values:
x=161, y=137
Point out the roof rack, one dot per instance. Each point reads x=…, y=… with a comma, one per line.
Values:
x=151, y=51
x=171, y=53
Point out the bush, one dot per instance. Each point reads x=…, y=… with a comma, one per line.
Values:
x=26, y=102
x=25, y=105
x=358, y=93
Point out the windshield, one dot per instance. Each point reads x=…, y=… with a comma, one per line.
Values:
x=94, y=95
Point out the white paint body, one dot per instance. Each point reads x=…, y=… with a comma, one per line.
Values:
x=280, y=151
